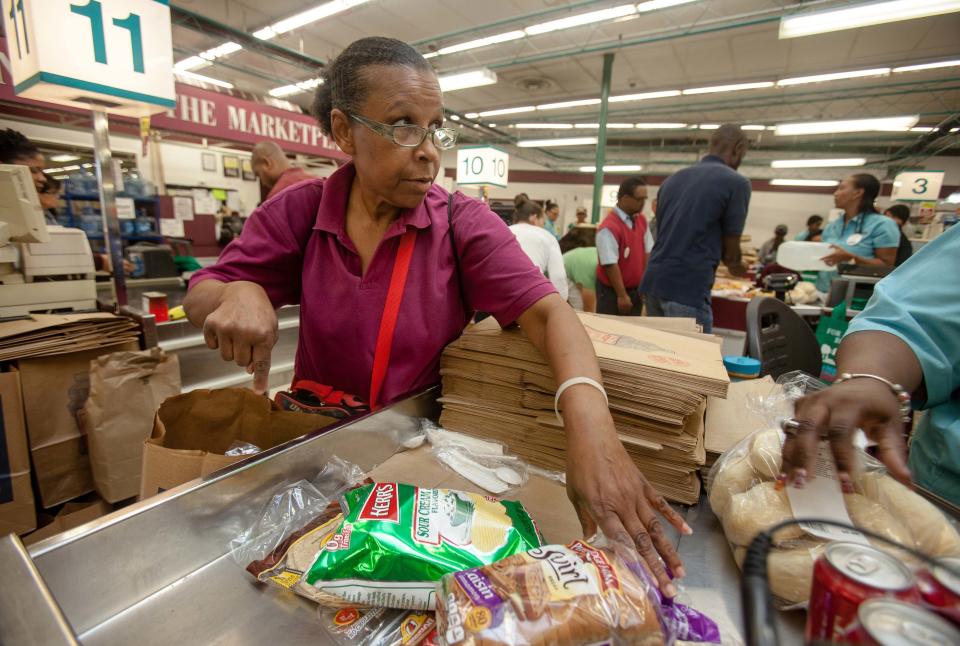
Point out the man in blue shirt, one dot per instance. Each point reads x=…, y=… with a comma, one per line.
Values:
x=701, y=211
x=909, y=334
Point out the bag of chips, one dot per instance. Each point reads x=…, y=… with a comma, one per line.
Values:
x=396, y=540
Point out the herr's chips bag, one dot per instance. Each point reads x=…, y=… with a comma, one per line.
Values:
x=396, y=540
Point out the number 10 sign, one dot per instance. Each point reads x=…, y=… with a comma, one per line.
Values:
x=114, y=55
x=482, y=166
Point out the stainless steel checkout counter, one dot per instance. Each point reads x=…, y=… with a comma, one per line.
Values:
x=159, y=571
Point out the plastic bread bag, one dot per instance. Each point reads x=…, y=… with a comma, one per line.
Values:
x=289, y=531
x=575, y=594
x=378, y=627
x=396, y=540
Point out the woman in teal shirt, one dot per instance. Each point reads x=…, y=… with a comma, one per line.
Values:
x=862, y=235
x=908, y=335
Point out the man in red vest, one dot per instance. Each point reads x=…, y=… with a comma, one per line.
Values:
x=623, y=242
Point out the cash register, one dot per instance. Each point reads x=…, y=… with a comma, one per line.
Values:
x=42, y=267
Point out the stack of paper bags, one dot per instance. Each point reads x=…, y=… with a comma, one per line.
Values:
x=42, y=335
x=497, y=385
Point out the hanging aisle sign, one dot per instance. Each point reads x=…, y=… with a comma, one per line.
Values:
x=114, y=55
x=482, y=166
x=917, y=185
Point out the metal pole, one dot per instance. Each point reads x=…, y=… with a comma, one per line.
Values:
x=602, y=136
x=108, y=203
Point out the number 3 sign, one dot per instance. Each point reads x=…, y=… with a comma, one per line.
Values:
x=110, y=54
x=919, y=185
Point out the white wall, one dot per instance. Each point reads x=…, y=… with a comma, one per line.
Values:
x=182, y=164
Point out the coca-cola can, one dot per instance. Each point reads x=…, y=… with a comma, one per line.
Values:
x=940, y=589
x=846, y=575
x=889, y=622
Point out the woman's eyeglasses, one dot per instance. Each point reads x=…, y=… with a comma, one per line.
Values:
x=411, y=136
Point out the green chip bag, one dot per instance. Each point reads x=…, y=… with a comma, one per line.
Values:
x=396, y=540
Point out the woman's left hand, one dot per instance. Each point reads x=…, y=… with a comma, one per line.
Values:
x=839, y=255
x=609, y=492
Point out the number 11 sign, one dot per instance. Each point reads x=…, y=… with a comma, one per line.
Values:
x=114, y=55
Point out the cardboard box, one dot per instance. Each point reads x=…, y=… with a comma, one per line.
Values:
x=17, y=512
x=191, y=433
x=72, y=515
x=54, y=389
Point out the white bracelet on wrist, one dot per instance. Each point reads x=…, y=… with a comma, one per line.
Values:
x=573, y=381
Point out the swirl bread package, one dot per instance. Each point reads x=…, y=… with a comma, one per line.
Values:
x=397, y=540
x=572, y=595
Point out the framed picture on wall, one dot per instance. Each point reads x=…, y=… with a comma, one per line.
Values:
x=231, y=166
x=209, y=162
x=247, y=167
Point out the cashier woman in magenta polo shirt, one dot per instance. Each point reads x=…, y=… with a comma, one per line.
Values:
x=379, y=225
x=862, y=235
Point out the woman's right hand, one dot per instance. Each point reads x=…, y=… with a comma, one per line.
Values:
x=243, y=326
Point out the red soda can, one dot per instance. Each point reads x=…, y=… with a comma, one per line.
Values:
x=888, y=622
x=846, y=575
x=940, y=589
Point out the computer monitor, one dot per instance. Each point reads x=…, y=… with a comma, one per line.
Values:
x=20, y=211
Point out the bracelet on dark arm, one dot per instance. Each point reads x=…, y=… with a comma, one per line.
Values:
x=903, y=397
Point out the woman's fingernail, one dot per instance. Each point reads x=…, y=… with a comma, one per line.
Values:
x=799, y=480
x=687, y=529
x=670, y=590
x=681, y=572
x=846, y=485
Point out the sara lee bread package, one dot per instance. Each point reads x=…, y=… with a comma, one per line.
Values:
x=746, y=497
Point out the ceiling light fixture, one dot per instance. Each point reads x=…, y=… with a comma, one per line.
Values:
x=319, y=12
x=546, y=143
x=660, y=126
x=883, y=124
x=454, y=117
x=464, y=80
x=804, y=182
x=481, y=42
x=922, y=129
x=205, y=58
x=64, y=158
x=709, y=126
x=835, y=76
x=582, y=19
x=568, y=104
x=735, y=87
x=925, y=66
x=643, y=96
x=862, y=15
x=818, y=163
x=753, y=127
x=652, y=5
x=544, y=126
x=610, y=126
x=494, y=113
x=203, y=79
x=295, y=88
x=614, y=168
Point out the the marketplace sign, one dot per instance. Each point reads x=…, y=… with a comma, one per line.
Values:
x=219, y=116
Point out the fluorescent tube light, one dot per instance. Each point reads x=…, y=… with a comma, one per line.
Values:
x=818, y=163
x=925, y=66
x=862, y=15
x=753, y=127
x=610, y=126
x=660, y=126
x=472, y=115
x=804, y=182
x=709, y=126
x=884, y=124
x=454, y=117
x=568, y=104
x=546, y=143
x=202, y=79
x=319, y=12
x=463, y=80
x=735, y=87
x=835, y=76
x=481, y=42
x=64, y=158
x=582, y=19
x=191, y=63
x=296, y=88
x=652, y=5
x=544, y=126
x=622, y=168
x=208, y=56
x=643, y=96
x=922, y=129
x=494, y=113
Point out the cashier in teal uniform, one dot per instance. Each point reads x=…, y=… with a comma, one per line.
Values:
x=862, y=235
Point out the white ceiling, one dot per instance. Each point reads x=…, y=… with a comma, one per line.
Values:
x=710, y=42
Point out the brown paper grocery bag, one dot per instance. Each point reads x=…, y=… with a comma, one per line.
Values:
x=126, y=389
x=191, y=433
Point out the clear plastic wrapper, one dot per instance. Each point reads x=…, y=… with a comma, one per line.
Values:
x=378, y=626
x=576, y=594
x=747, y=499
x=241, y=448
x=485, y=464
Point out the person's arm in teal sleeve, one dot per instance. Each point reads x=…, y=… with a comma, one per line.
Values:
x=909, y=334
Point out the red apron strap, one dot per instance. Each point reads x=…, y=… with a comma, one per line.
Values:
x=391, y=311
